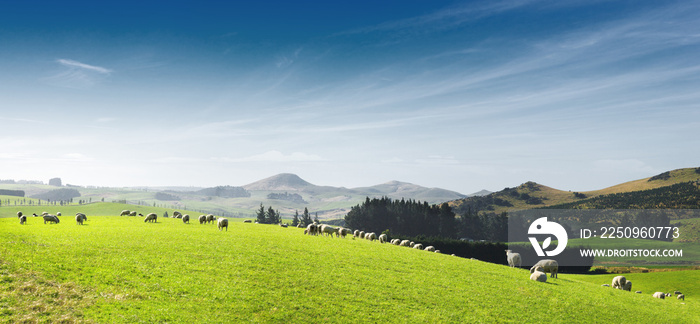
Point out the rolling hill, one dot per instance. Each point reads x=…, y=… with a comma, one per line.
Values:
x=533, y=195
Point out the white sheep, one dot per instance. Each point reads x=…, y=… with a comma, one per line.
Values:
x=221, y=223
x=80, y=218
x=328, y=230
x=342, y=232
x=22, y=219
x=411, y=244
x=211, y=218
x=513, y=258
x=186, y=218
x=371, y=236
x=383, y=238
x=660, y=295
x=418, y=246
x=133, y=213
x=548, y=265
x=310, y=229
x=405, y=243
x=361, y=234
x=125, y=213
x=539, y=275
x=152, y=217
x=19, y=214
x=619, y=282
x=58, y=214
x=177, y=214
x=430, y=248
x=627, y=286
x=437, y=251
x=50, y=218
x=356, y=233
x=202, y=219
x=681, y=297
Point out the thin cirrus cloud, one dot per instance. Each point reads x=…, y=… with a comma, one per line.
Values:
x=77, y=75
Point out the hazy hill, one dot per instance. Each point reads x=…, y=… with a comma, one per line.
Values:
x=329, y=202
x=533, y=195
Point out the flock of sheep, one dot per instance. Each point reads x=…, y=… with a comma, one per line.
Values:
x=51, y=218
x=323, y=229
x=620, y=282
x=539, y=270
x=150, y=218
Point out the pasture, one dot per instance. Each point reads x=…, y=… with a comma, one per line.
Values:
x=122, y=270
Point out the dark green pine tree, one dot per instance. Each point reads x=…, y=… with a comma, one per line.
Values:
x=306, y=218
x=316, y=218
x=295, y=220
x=261, y=214
x=271, y=216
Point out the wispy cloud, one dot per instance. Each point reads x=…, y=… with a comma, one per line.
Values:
x=77, y=75
x=79, y=65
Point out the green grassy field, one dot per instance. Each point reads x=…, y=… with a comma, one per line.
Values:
x=122, y=270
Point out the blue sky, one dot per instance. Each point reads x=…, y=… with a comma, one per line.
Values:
x=577, y=95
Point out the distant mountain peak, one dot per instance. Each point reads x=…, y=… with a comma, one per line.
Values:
x=282, y=181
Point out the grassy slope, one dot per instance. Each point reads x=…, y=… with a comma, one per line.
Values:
x=552, y=196
x=119, y=269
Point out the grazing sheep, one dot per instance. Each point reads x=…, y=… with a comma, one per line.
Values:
x=356, y=233
x=405, y=243
x=186, y=219
x=152, y=217
x=513, y=258
x=638, y=292
x=411, y=244
x=310, y=229
x=58, y=214
x=361, y=234
x=22, y=219
x=202, y=219
x=19, y=214
x=371, y=236
x=125, y=213
x=133, y=213
x=668, y=295
x=681, y=297
x=677, y=292
x=383, y=238
x=627, y=286
x=430, y=248
x=51, y=219
x=437, y=251
x=44, y=213
x=418, y=246
x=211, y=218
x=539, y=275
x=80, y=218
x=619, y=282
x=549, y=265
x=328, y=230
x=284, y=225
x=660, y=295
x=342, y=232
x=177, y=214
x=221, y=223
x=247, y=221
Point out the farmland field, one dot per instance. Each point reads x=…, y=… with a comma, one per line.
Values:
x=122, y=270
